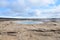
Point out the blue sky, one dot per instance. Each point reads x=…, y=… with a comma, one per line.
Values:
x=30, y=8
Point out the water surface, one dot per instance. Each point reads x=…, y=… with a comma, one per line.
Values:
x=29, y=22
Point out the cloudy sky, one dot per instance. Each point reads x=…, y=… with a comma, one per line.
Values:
x=30, y=8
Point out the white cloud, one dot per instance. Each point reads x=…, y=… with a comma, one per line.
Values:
x=38, y=12
x=4, y=3
x=42, y=2
x=54, y=9
x=48, y=13
x=21, y=2
x=18, y=3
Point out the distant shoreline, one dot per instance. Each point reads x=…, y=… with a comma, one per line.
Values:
x=29, y=19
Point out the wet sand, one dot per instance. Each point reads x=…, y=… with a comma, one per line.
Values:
x=10, y=30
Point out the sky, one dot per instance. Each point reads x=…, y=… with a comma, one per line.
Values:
x=30, y=8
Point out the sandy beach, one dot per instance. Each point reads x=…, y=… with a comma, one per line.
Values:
x=9, y=30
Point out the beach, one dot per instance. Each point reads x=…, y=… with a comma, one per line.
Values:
x=9, y=30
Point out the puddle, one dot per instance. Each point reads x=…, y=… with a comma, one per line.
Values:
x=30, y=22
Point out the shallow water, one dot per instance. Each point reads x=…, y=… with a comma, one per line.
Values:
x=30, y=22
